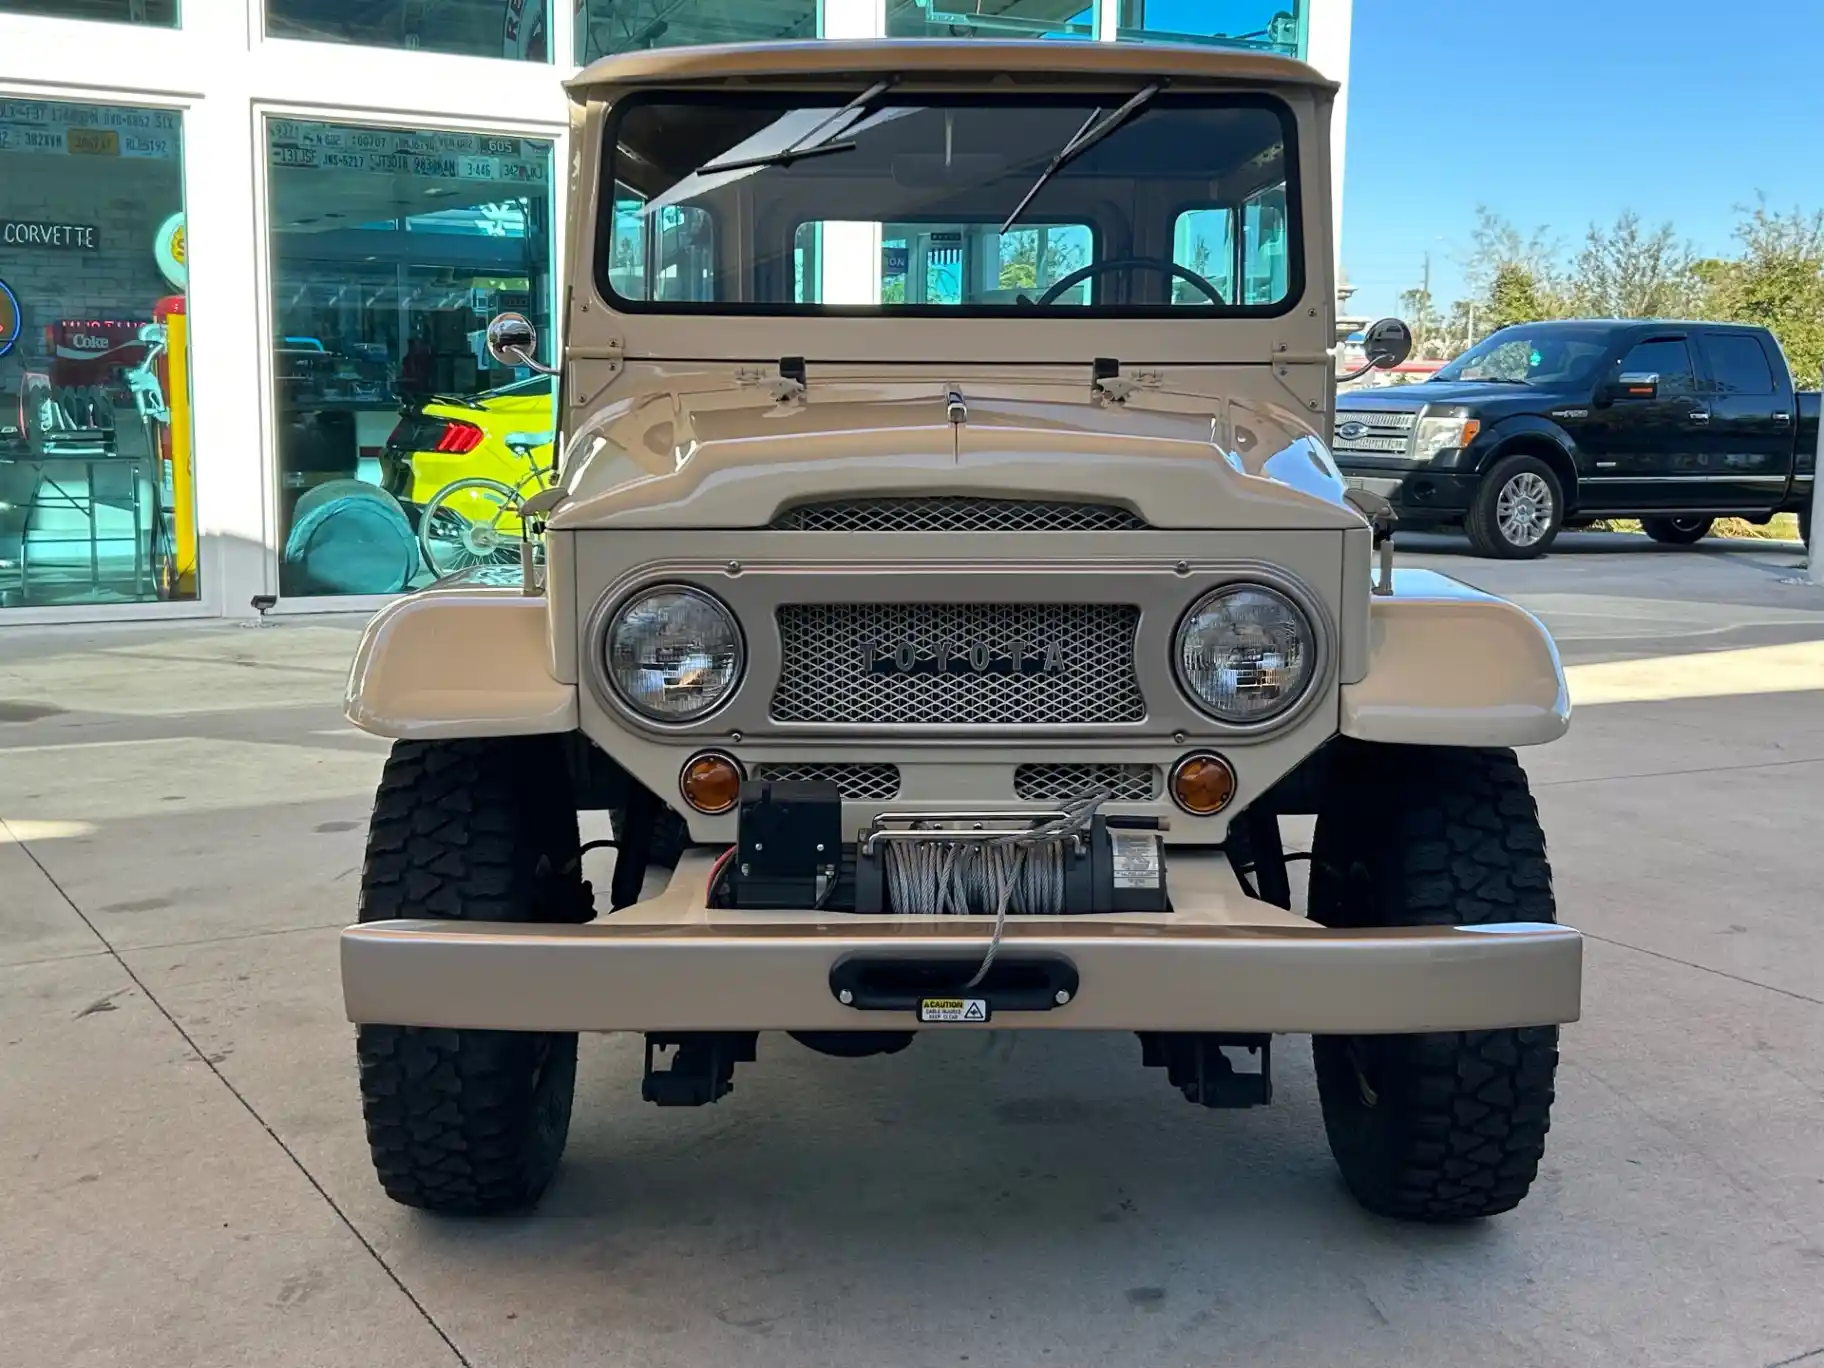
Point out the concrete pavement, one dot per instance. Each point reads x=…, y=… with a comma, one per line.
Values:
x=183, y=1178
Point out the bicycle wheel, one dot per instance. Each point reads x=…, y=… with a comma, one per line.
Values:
x=469, y=523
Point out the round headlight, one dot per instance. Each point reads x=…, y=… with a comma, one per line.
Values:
x=673, y=654
x=1246, y=653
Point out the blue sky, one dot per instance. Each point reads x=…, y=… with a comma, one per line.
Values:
x=1560, y=112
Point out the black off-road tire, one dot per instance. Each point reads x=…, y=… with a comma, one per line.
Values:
x=1447, y=1126
x=1677, y=531
x=470, y=1121
x=1805, y=525
x=1483, y=521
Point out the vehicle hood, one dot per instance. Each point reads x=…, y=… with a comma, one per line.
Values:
x=1412, y=398
x=682, y=453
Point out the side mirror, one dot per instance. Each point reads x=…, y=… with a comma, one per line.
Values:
x=1636, y=385
x=1386, y=344
x=512, y=340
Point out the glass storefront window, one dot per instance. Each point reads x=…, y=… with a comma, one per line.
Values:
x=160, y=12
x=402, y=447
x=990, y=19
x=1272, y=25
x=97, y=503
x=517, y=29
x=605, y=27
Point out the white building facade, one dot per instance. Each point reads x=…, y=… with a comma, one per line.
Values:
x=243, y=241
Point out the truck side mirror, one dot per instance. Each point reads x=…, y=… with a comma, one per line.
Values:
x=1636, y=385
x=1386, y=344
x=511, y=341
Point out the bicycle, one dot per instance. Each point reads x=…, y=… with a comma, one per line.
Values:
x=475, y=521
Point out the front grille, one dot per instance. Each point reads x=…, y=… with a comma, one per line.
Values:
x=1386, y=434
x=1058, y=783
x=827, y=676
x=856, y=782
x=956, y=515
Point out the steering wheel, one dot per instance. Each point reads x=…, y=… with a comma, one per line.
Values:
x=1159, y=264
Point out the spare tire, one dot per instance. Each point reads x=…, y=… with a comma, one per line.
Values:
x=349, y=537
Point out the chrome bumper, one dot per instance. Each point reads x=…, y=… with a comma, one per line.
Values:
x=1219, y=962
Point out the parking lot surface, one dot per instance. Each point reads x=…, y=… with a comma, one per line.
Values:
x=184, y=1180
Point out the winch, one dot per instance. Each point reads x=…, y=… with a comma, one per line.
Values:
x=1071, y=860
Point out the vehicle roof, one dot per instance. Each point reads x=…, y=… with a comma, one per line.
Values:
x=1612, y=324
x=921, y=56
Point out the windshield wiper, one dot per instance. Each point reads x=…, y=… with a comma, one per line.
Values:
x=1094, y=129
x=807, y=146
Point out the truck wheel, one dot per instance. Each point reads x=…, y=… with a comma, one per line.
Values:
x=1677, y=531
x=1805, y=525
x=1451, y=1125
x=475, y=830
x=1517, y=510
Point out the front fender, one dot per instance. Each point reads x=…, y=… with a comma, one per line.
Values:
x=450, y=663
x=1449, y=665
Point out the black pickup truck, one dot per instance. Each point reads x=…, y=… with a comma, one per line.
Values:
x=1545, y=425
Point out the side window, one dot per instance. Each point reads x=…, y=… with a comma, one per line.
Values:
x=667, y=255
x=1667, y=357
x=1738, y=365
x=1203, y=240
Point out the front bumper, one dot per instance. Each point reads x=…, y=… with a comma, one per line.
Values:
x=1418, y=492
x=1220, y=962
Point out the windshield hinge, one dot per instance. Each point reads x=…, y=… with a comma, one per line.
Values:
x=791, y=383
x=1109, y=386
x=786, y=384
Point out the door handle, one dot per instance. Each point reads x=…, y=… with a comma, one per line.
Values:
x=1782, y=417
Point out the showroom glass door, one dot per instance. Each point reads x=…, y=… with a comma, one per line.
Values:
x=403, y=449
x=97, y=496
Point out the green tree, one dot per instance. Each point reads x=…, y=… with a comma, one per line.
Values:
x=1625, y=271
x=1430, y=340
x=1777, y=281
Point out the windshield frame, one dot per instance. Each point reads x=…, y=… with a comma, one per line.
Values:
x=1295, y=230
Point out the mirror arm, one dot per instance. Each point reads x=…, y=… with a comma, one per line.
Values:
x=537, y=366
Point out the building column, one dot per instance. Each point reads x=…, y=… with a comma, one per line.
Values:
x=1328, y=23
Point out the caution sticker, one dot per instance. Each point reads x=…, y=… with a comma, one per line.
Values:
x=953, y=1009
x=1136, y=860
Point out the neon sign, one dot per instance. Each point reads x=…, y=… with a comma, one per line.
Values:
x=9, y=318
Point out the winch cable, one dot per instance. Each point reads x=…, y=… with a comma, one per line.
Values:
x=1021, y=868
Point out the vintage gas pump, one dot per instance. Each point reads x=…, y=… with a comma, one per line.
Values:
x=177, y=473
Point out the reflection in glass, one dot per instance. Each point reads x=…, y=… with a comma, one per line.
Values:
x=906, y=209
x=1271, y=25
x=162, y=13
x=990, y=19
x=516, y=29
x=97, y=500
x=957, y=263
x=391, y=250
x=605, y=27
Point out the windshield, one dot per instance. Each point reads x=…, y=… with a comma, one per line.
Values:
x=875, y=201
x=1528, y=355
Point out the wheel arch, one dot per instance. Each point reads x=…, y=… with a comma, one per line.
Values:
x=1547, y=443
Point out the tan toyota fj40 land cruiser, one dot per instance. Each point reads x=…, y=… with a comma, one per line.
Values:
x=948, y=590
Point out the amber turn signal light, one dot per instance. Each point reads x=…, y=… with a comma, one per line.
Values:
x=1203, y=784
x=711, y=783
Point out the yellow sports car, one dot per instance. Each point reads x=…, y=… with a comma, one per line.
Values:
x=463, y=465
